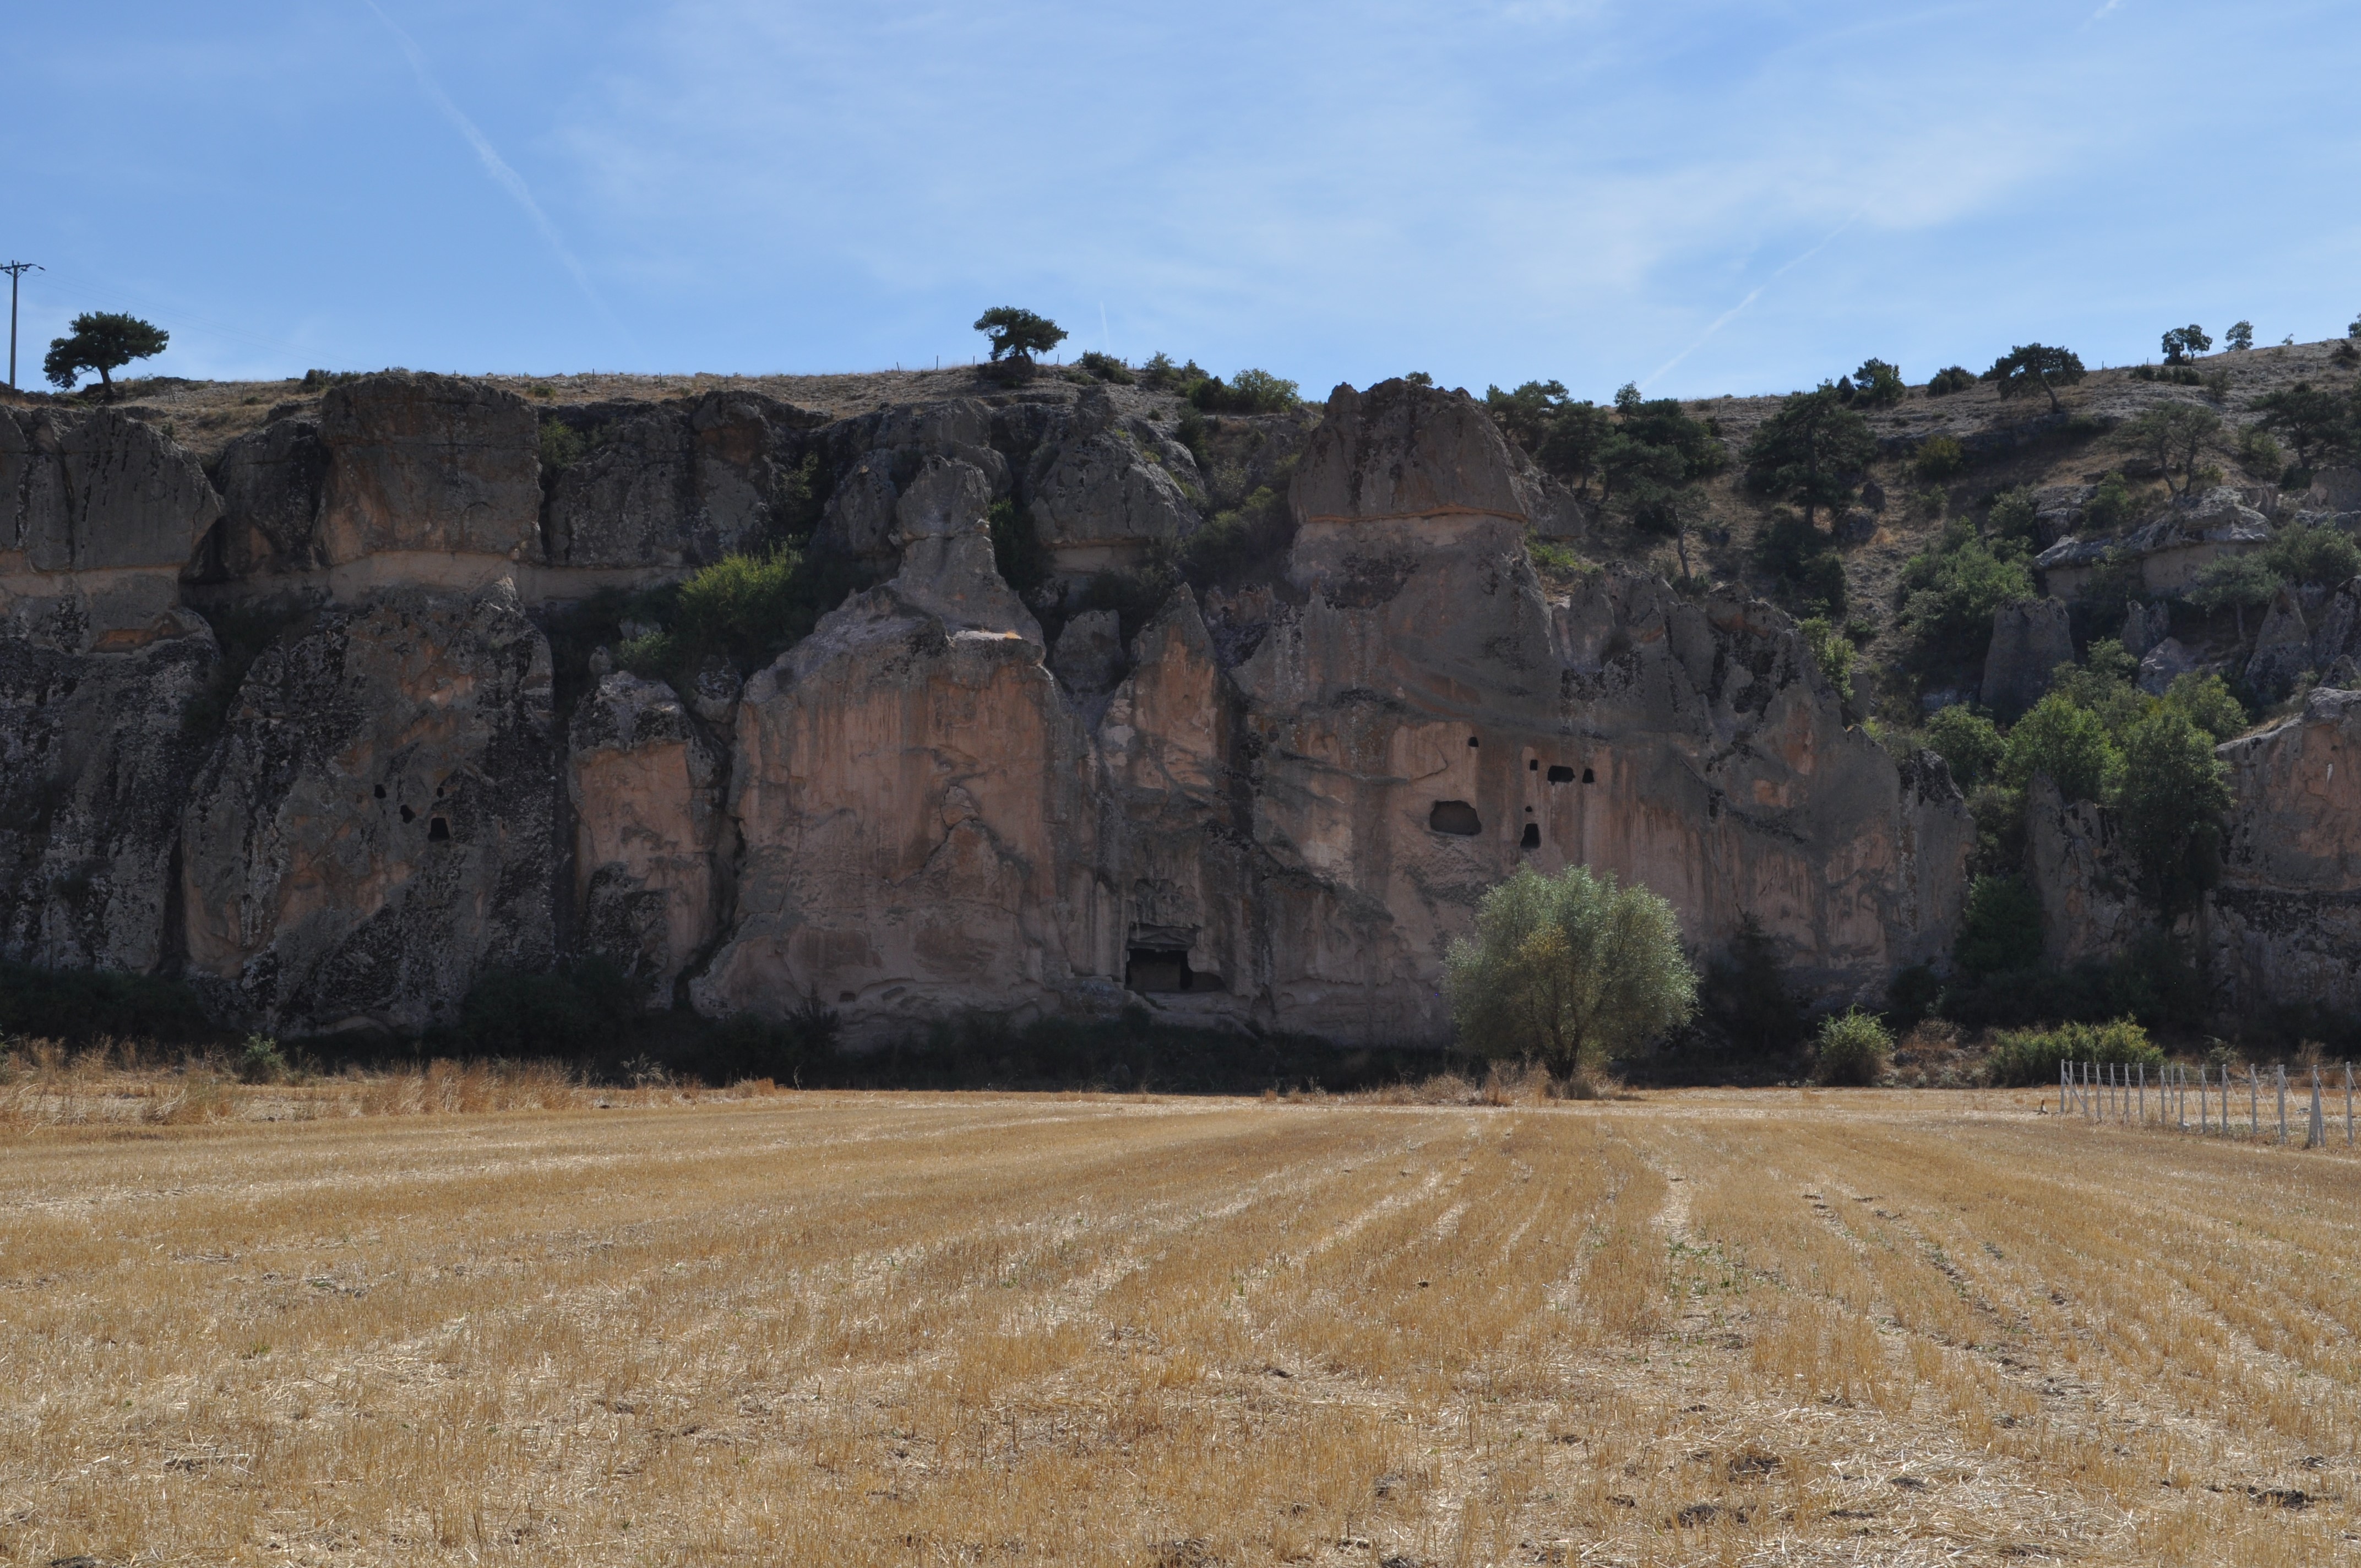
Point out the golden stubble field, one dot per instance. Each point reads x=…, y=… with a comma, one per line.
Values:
x=1713, y=1327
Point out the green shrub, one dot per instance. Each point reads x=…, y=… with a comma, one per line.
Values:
x=561, y=446
x=2002, y=929
x=2207, y=701
x=2325, y=554
x=2174, y=793
x=1106, y=366
x=1250, y=392
x=1745, y=994
x=2110, y=506
x=1851, y=1049
x=260, y=1060
x=1968, y=741
x=2011, y=515
x=2069, y=743
x=1877, y=384
x=1240, y=544
x=1802, y=563
x=2032, y=1056
x=1831, y=650
x=2258, y=452
x=1950, y=378
x=1950, y=593
x=746, y=609
x=1938, y=457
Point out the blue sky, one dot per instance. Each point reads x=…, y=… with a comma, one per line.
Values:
x=1704, y=197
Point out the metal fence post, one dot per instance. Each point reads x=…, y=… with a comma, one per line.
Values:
x=2254, y=1102
x=2279, y=1073
x=2315, y=1135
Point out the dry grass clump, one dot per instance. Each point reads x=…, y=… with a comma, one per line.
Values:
x=1777, y=1327
x=117, y=1084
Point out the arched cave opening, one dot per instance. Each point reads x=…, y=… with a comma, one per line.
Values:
x=1455, y=818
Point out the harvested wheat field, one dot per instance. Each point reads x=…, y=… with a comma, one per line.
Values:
x=1743, y=1328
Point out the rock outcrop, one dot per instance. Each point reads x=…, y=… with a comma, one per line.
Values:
x=649, y=878
x=2285, y=924
x=2282, y=649
x=2089, y=908
x=2029, y=641
x=1272, y=807
x=380, y=825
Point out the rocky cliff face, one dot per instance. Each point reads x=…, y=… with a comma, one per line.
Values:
x=1275, y=808
x=2285, y=924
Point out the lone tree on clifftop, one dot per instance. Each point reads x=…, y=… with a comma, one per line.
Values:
x=2032, y=365
x=1569, y=970
x=1018, y=334
x=104, y=341
x=1812, y=452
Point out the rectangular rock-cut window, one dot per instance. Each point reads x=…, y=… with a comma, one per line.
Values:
x=1558, y=774
x=1154, y=970
x=1455, y=818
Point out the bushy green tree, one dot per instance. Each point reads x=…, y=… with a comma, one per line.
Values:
x=1968, y=742
x=1950, y=592
x=1877, y=384
x=2171, y=802
x=1812, y=452
x=1746, y=995
x=104, y=341
x=2241, y=336
x=2069, y=743
x=2183, y=342
x=1851, y=1049
x=1831, y=650
x=1938, y=457
x=1248, y=392
x=2317, y=423
x=1018, y=334
x=2206, y=701
x=2032, y=365
x=1568, y=969
x=2002, y=929
x=2174, y=434
x=2323, y=555
x=2013, y=514
x=1949, y=379
x=2237, y=583
x=2111, y=504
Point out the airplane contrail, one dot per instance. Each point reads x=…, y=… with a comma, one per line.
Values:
x=505, y=177
x=1731, y=314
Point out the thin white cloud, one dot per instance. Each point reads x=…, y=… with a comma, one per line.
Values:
x=503, y=174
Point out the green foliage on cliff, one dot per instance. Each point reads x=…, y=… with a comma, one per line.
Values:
x=1568, y=969
x=1950, y=592
x=2002, y=929
x=2028, y=1056
x=747, y=609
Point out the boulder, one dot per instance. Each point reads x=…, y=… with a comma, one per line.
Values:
x=2163, y=664
x=2058, y=511
x=944, y=537
x=2337, y=632
x=376, y=828
x=875, y=455
x=2282, y=649
x=426, y=463
x=646, y=790
x=271, y=482
x=2145, y=626
x=2029, y=641
x=100, y=513
x=1089, y=655
x=1106, y=499
x=2285, y=921
x=96, y=750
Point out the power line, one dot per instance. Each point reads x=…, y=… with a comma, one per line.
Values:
x=16, y=270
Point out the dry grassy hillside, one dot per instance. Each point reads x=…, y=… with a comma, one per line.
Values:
x=1863, y=1327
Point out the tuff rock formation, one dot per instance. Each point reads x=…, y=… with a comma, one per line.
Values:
x=2285, y=924
x=1274, y=805
x=2029, y=641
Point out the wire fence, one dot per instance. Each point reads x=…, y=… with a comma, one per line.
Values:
x=2132, y=1096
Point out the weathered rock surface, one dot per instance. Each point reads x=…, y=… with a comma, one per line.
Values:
x=99, y=514
x=2282, y=649
x=677, y=483
x=271, y=482
x=95, y=756
x=916, y=803
x=1089, y=655
x=2167, y=553
x=646, y=789
x=426, y=463
x=2089, y=908
x=2163, y=664
x=1106, y=496
x=2029, y=641
x=379, y=826
x=2145, y=626
x=2285, y=924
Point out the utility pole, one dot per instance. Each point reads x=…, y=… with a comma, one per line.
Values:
x=16, y=270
